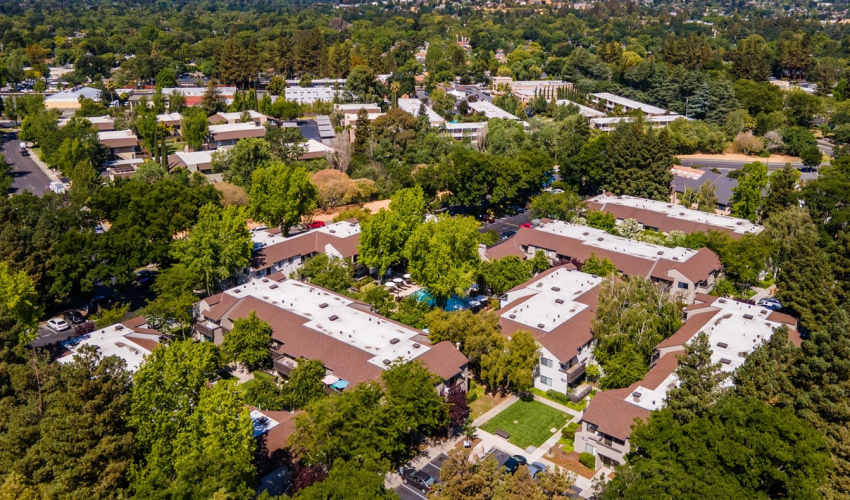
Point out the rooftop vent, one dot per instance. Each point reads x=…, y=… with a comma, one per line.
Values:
x=681, y=213
x=722, y=345
x=742, y=354
x=740, y=223
x=119, y=327
x=323, y=305
x=333, y=317
x=512, y=316
x=394, y=341
x=273, y=286
x=600, y=238
x=585, y=233
x=722, y=301
x=416, y=346
x=387, y=362
x=541, y=325
x=636, y=396
x=559, y=301
x=556, y=289
x=265, y=280
x=660, y=252
x=725, y=361
x=748, y=316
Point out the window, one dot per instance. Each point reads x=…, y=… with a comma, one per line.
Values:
x=683, y=285
x=545, y=380
x=546, y=362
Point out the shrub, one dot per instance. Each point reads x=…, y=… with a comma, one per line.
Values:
x=747, y=143
x=569, y=432
x=588, y=460
x=557, y=396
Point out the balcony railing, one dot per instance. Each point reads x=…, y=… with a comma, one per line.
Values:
x=573, y=372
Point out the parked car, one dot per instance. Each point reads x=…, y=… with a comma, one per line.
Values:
x=58, y=324
x=507, y=234
x=535, y=468
x=74, y=317
x=526, y=225
x=770, y=303
x=145, y=277
x=417, y=479
x=315, y=224
x=513, y=463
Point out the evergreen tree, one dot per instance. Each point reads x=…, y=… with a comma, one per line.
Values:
x=699, y=381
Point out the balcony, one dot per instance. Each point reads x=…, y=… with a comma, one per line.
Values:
x=573, y=372
x=208, y=329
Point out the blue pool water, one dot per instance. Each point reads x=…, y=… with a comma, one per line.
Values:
x=454, y=303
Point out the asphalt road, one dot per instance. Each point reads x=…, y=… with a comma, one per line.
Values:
x=511, y=223
x=26, y=176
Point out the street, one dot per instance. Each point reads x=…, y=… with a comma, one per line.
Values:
x=511, y=223
x=730, y=164
x=26, y=176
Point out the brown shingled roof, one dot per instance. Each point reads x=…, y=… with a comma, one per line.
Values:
x=303, y=245
x=612, y=414
x=444, y=360
x=658, y=220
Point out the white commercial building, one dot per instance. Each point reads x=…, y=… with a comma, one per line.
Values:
x=309, y=95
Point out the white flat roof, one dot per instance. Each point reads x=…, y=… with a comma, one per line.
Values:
x=195, y=157
x=553, y=302
x=412, y=106
x=197, y=91
x=341, y=229
x=355, y=107
x=465, y=125
x=169, y=117
x=734, y=224
x=75, y=94
x=330, y=314
x=237, y=115
x=311, y=94
x=314, y=146
x=234, y=127
x=734, y=333
x=490, y=110
x=582, y=109
x=111, y=341
x=601, y=239
x=116, y=134
x=630, y=103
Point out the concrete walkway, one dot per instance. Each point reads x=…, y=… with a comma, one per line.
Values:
x=558, y=406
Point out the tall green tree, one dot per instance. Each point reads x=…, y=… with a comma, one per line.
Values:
x=248, y=343
x=304, y=384
x=280, y=195
x=217, y=246
x=442, y=255
x=239, y=162
x=699, y=381
x=746, y=196
x=383, y=236
x=751, y=59
x=194, y=127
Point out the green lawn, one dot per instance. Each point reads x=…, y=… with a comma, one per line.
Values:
x=528, y=422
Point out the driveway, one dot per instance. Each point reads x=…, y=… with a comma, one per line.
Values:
x=511, y=223
x=26, y=175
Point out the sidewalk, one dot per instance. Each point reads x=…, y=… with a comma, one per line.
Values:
x=49, y=172
x=492, y=412
x=558, y=406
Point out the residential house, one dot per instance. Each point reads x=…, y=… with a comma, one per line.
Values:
x=194, y=96
x=413, y=106
x=526, y=90
x=193, y=161
x=314, y=149
x=557, y=307
x=229, y=134
x=681, y=271
x=131, y=340
x=735, y=329
x=308, y=322
x=666, y=217
x=122, y=169
x=70, y=99
x=310, y=95
x=694, y=178
x=277, y=253
x=121, y=144
x=171, y=120
x=237, y=117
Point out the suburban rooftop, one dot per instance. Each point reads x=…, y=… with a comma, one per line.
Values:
x=630, y=103
x=733, y=224
x=233, y=127
x=552, y=302
x=601, y=239
x=332, y=315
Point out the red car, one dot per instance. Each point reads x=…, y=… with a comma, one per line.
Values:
x=527, y=225
x=315, y=224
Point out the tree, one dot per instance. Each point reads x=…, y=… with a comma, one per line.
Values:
x=351, y=479
x=305, y=384
x=561, y=206
x=19, y=311
x=785, y=456
x=442, y=255
x=166, y=392
x=499, y=276
x=511, y=364
x=361, y=82
x=633, y=316
x=280, y=195
x=781, y=191
x=285, y=143
x=766, y=373
x=336, y=188
x=413, y=405
x=383, y=236
x=241, y=161
x=746, y=196
x=248, y=343
x=218, y=245
x=699, y=381
x=477, y=334
x=171, y=311
x=600, y=267
x=212, y=102
x=194, y=127
x=214, y=451
x=328, y=272
x=801, y=107
x=751, y=59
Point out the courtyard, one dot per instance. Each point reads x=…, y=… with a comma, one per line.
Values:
x=529, y=423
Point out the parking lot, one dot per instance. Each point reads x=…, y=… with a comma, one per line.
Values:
x=432, y=468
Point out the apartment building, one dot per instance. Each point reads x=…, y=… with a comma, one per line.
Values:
x=274, y=252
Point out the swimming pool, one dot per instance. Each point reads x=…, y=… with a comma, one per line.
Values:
x=454, y=303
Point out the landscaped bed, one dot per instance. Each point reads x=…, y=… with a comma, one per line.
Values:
x=529, y=423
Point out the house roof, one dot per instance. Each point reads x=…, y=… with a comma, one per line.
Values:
x=230, y=131
x=315, y=241
x=131, y=340
x=631, y=257
x=612, y=414
x=117, y=138
x=686, y=177
x=276, y=438
x=444, y=360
